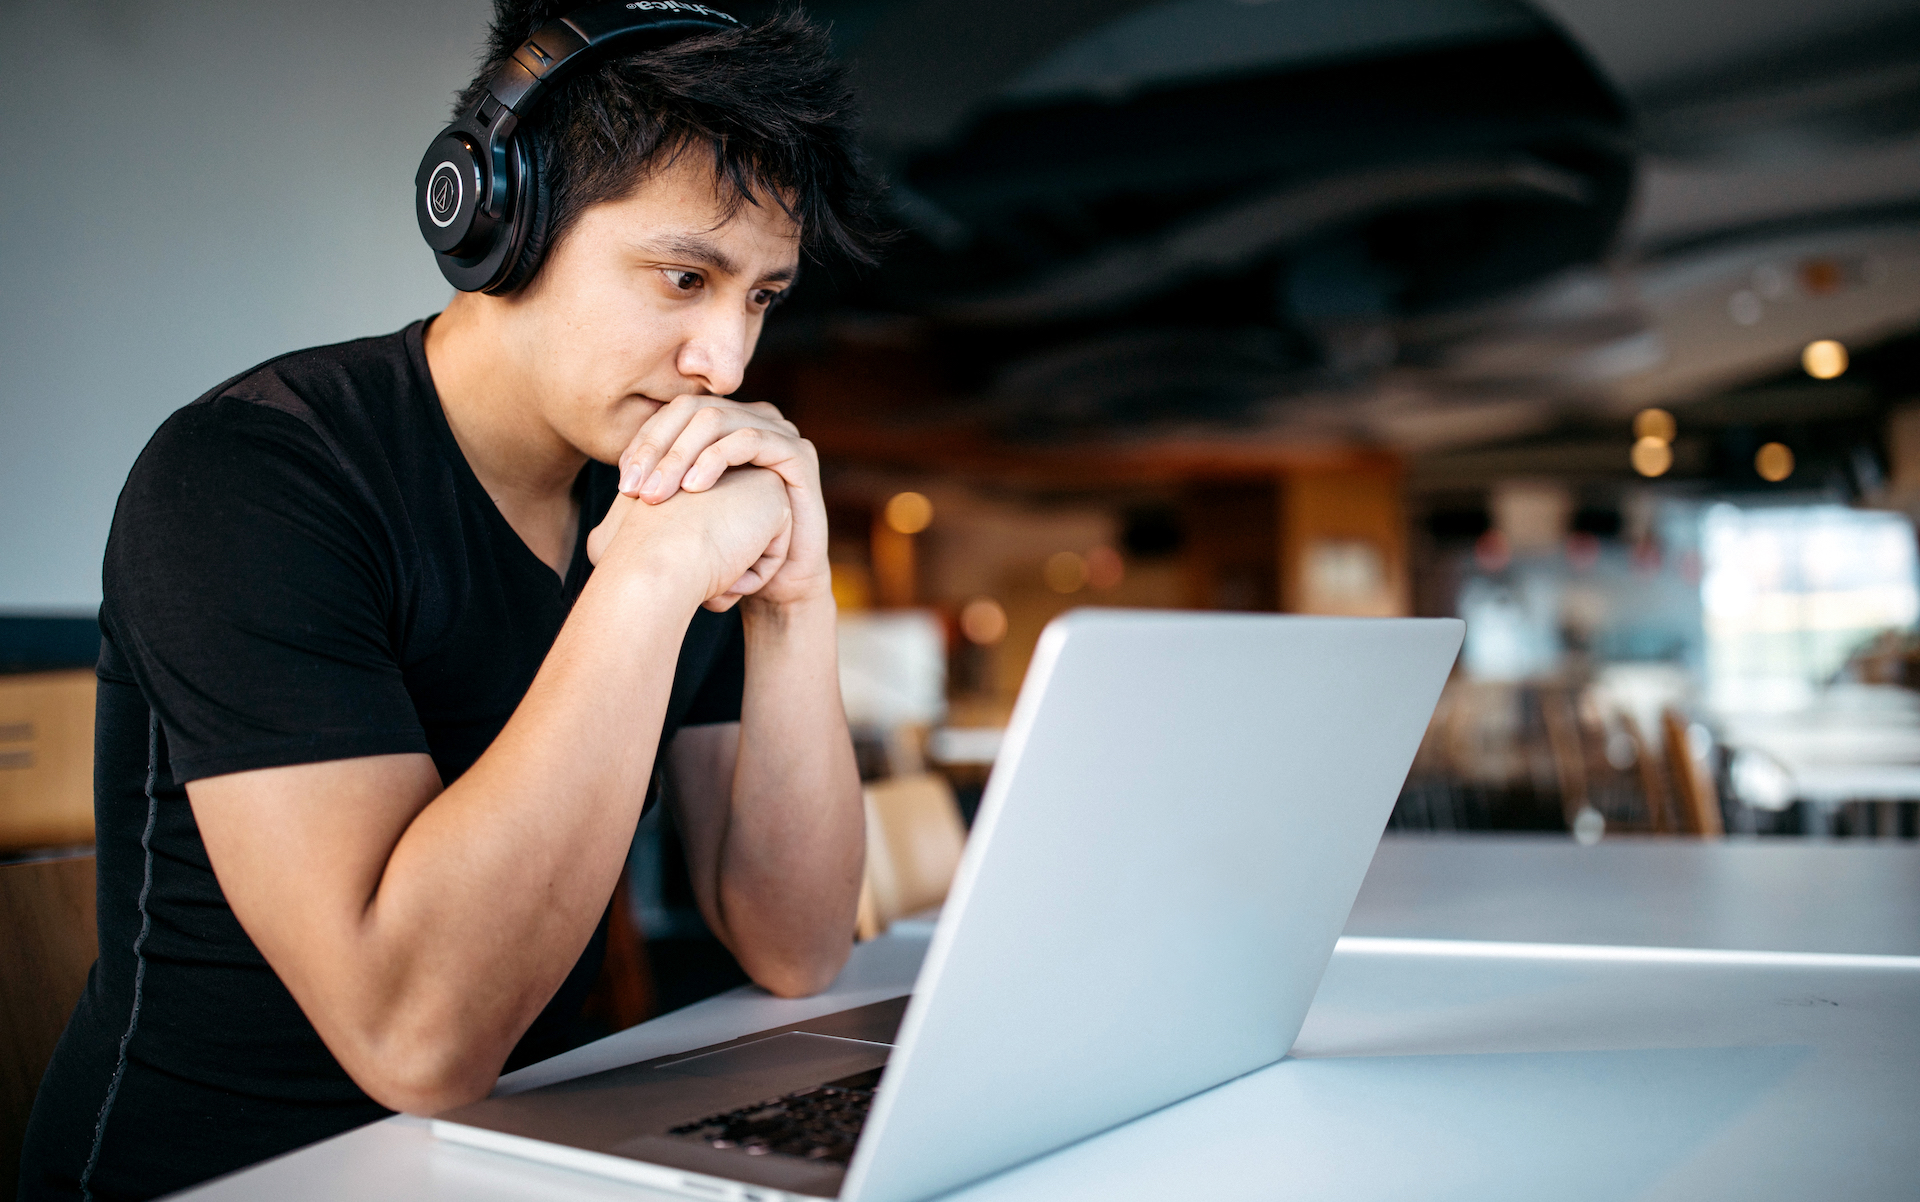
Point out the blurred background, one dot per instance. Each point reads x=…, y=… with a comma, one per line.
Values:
x=1593, y=322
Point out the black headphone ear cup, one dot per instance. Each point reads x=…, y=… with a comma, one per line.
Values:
x=530, y=217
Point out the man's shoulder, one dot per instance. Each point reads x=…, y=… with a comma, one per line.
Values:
x=334, y=403
x=320, y=413
x=329, y=384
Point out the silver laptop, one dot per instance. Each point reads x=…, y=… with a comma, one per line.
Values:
x=1182, y=813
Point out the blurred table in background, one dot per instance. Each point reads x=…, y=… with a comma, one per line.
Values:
x=1833, y=784
x=1859, y=746
x=1788, y=895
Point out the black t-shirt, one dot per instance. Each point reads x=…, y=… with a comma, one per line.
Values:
x=302, y=567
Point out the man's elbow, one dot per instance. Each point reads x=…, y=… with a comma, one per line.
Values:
x=424, y=1081
x=797, y=977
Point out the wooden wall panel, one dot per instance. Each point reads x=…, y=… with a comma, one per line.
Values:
x=1343, y=541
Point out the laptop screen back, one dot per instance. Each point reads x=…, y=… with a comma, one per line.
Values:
x=1169, y=846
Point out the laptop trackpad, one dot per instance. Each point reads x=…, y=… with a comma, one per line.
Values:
x=794, y=1060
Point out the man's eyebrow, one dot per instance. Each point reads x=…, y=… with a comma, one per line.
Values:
x=699, y=252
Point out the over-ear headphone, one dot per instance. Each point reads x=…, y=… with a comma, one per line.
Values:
x=480, y=195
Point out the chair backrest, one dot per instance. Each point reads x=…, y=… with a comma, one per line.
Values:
x=1693, y=787
x=1569, y=752
x=622, y=995
x=914, y=841
x=1653, y=776
x=47, y=943
x=46, y=759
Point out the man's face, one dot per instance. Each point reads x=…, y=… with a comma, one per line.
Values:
x=649, y=298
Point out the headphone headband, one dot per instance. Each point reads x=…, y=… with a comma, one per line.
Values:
x=611, y=28
x=480, y=193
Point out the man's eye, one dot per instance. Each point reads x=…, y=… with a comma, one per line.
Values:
x=684, y=281
x=767, y=297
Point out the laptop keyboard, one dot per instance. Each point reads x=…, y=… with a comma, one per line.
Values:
x=821, y=1122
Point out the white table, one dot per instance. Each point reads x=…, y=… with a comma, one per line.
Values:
x=1877, y=787
x=1431, y=1067
x=1831, y=784
x=1857, y=743
x=1775, y=894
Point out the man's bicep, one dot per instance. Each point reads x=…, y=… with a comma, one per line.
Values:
x=299, y=850
x=253, y=600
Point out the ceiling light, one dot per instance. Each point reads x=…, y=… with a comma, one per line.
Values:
x=1652, y=456
x=1774, y=462
x=1654, y=423
x=1825, y=359
x=1065, y=572
x=1821, y=277
x=909, y=513
x=984, y=621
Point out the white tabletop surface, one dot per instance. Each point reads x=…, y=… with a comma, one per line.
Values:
x=1831, y=784
x=1777, y=894
x=1435, y=1068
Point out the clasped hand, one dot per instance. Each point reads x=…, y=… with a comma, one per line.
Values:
x=763, y=529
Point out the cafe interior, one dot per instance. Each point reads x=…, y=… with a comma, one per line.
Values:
x=1592, y=323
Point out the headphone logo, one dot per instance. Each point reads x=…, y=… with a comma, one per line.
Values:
x=676, y=6
x=443, y=194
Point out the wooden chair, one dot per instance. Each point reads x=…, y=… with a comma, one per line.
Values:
x=623, y=994
x=914, y=840
x=1648, y=765
x=46, y=759
x=47, y=944
x=1568, y=749
x=1630, y=798
x=1693, y=788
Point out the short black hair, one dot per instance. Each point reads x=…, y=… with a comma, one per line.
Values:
x=767, y=100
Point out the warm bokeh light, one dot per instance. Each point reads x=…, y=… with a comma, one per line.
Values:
x=1652, y=456
x=852, y=586
x=983, y=621
x=1105, y=568
x=909, y=513
x=1654, y=423
x=1492, y=551
x=1825, y=359
x=1065, y=572
x=1821, y=277
x=1774, y=462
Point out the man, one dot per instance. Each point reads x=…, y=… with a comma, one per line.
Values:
x=399, y=633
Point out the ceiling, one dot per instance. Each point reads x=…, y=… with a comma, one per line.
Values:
x=1428, y=224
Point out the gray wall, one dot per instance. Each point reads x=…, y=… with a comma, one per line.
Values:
x=186, y=189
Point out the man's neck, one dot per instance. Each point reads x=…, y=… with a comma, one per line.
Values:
x=488, y=397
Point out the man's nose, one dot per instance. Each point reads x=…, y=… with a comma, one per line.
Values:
x=715, y=352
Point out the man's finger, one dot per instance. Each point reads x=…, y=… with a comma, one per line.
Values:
x=671, y=442
x=768, y=565
x=772, y=413
x=655, y=437
x=753, y=446
x=704, y=428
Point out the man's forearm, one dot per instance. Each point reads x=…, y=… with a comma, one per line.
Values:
x=795, y=842
x=422, y=929
x=489, y=895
